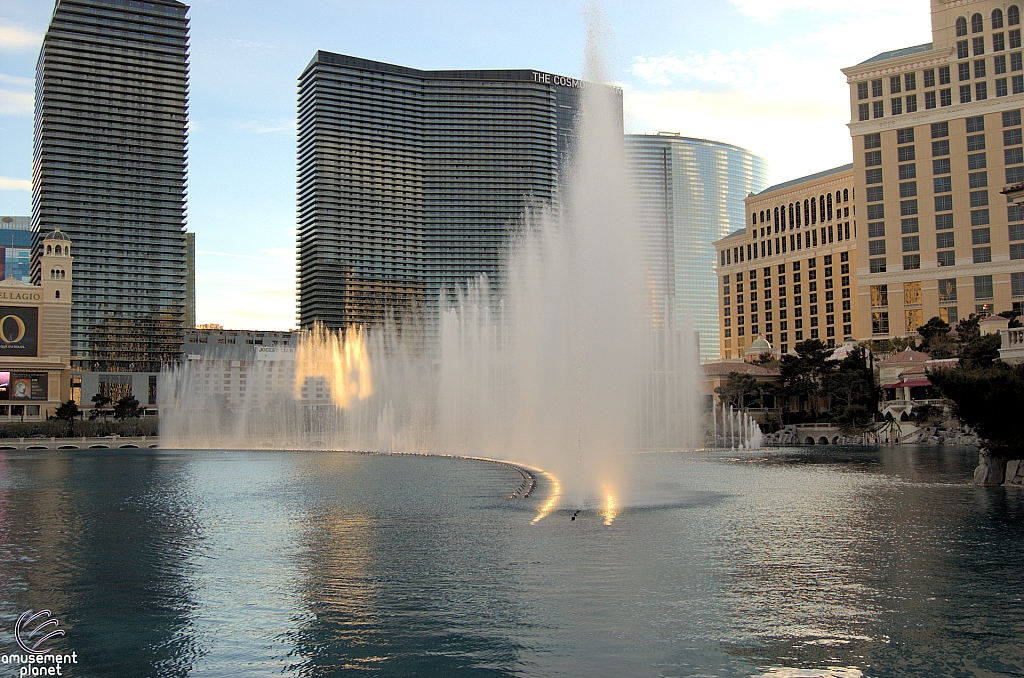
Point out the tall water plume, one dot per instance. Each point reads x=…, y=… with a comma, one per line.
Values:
x=575, y=371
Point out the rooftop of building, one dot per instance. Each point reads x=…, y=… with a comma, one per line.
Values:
x=734, y=234
x=809, y=177
x=896, y=53
x=908, y=355
x=676, y=136
x=514, y=74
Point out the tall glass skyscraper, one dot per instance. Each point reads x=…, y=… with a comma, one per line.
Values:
x=689, y=193
x=410, y=182
x=109, y=169
x=16, y=248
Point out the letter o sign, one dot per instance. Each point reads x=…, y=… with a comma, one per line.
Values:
x=19, y=323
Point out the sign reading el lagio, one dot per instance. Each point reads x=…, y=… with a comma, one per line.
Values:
x=19, y=331
x=20, y=296
x=560, y=80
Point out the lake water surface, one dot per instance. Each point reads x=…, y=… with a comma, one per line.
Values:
x=838, y=562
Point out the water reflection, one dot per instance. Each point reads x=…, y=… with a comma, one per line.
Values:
x=103, y=544
x=824, y=562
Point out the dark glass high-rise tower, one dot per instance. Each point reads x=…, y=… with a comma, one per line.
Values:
x=109, y=170
x=410, y=182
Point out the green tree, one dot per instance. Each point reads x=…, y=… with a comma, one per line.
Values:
x=127, y=408
x=981, y=351
x=968, y=328
x=67, y=412
x=1014, y=317
x=936, y=339
x=851, y=391
x=990, y=400
x=802, y=374
x=740, y=390
x=100, y=403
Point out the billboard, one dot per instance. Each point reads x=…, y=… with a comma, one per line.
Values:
x=23, y=386
x=19, y=331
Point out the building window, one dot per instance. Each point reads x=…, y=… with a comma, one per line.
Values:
x=1017, y=84
x=981, y=236
x=943, y=221
x=940, y=148
x=896, y=106
x=999, y=62
x=962, y=50
x=929, y=100
x=911, y=103
x=910, y=81
x=945, y=240
x=979, y=218
x=942, y=185
x=876, y=211
x=910, y=225
x=940, y=130
x=976, y=161
x=1013, y=15
x=1001, y=89
x=997, y=18
x=945, y=97
x=894, y=85
x=877, y=265
x=905, y=136
x=982, y=287
x=982, y=255
x=946, y=258
x=1016, y=251
x=1011, y=118
x=876, y=230
x=905, y=153
x=908, y=208
x=963, y=71
x=873, y=176
x=878, y=109
x=965, y=94
x=880, y=323
x=979, y=199
x=871, y=159
x=862, y=90
x=943, y=203
x=1017, y=285
x=908, y=190
x=876, y=247
x=978, y=47
x=1015, y=232
x=1015, y=39
x=864, y=112
x=912, y=243
x=1012, y=137
x=998, y=42
x=929, y=78
x=1013, y=156
x=874, y=193
x=876, y=88
x=908, y=172
x=977, y=26
x=1016, y=63
x=944, y=75
x=981, y=91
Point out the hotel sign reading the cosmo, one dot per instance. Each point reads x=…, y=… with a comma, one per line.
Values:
x=559, y=80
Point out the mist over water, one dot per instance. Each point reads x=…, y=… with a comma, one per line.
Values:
x=574, y=371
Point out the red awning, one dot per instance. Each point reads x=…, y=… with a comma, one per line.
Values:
x=912, y=383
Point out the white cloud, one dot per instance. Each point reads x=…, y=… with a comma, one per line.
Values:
x=784, y=98
x=14, y=38
x=770, y=10
x=9, y=184
x=279, y=125
x=15, y=95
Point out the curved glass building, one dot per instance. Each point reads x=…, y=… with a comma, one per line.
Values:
x=689, y=193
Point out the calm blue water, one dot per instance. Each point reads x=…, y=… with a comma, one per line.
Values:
x=879, y=562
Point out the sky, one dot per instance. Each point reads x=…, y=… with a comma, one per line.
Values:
x=761, y=74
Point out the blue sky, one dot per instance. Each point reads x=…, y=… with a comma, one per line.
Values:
x=762, y=74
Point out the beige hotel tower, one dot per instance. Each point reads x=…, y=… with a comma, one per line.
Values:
x=936, y=136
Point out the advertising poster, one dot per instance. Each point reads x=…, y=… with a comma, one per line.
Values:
x=19, y=331
x=28, y=386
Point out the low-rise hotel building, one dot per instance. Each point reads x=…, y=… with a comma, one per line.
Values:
x=788, y=275
x=937, y=133
x=35, y=335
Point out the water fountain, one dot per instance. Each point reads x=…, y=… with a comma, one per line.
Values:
x=569, y=374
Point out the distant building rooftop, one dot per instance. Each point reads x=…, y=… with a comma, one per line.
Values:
x=906, y=51
x=809, y=177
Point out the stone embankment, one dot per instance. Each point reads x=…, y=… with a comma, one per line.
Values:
x=993, y=471
x=103, y=443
